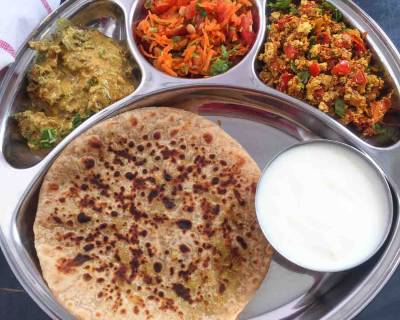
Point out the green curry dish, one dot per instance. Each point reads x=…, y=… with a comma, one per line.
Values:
x=80, y=72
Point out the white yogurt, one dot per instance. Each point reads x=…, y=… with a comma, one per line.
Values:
x=323, y=206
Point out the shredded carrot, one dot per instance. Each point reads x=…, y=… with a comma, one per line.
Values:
x=189, y=52
x=208, y=60
x=192, y=38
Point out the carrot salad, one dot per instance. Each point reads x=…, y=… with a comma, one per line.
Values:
x=196, y=38
x=312, y=54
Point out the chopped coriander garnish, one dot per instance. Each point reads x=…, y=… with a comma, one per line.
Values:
x=40, y=57
x=219, y=66
x=92, y=82
x=336, y=14
x=153, y=30
x=48, y=137
x=340, y=107
x=293, y=67
x=294, y=10
x=313, y=40
x=76, y=120
x=303, y=76
x=377, y=127
x=201, y=10
x=224, y=53
x=280, y=4
x=148, y=4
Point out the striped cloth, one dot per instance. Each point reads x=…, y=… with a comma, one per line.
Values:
x=18, y=18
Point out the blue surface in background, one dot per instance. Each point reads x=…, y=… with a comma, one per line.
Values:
x=15, y=304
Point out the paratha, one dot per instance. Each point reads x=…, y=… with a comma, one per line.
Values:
x=150, y=215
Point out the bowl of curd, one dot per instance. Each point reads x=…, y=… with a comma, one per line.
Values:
x=324, y=205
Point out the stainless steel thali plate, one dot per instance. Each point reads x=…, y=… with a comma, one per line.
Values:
x=263, y=120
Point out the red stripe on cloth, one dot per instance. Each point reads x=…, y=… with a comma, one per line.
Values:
x=46, y=6
x=7, y=47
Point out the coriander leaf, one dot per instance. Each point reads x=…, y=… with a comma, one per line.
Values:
x=224, y=53
x=219, y=66
x=153, y=30
x=303, y=76
x=313, y=40
x=201, y=10
x=293, y=67
x=92, y=82
x=294, y=10
x=48, y=137
x=377, y=127
x=336, y=14
x=340, y=107
x=328, y=6
x=76, y=120
x=280, y=4
x=148, y=4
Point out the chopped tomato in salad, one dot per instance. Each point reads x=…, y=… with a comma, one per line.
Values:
x=314, y=69
x=311, y=54
x=285, y=78
x=196, y=38
x=342, y=68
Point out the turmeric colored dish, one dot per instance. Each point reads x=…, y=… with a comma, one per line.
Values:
x=195, y=38
x=313, y=55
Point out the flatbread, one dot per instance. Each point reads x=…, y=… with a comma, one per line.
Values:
x=150, y=215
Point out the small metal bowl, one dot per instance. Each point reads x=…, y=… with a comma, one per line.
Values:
x=282, y=250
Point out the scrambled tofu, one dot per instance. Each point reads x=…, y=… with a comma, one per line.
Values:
x=76, y=74
x=311, y=54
